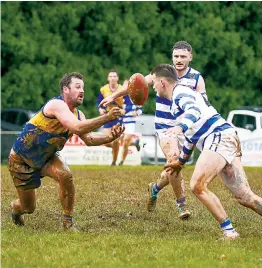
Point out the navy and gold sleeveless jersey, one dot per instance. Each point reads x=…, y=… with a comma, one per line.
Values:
x=42, y=137
x=105, y=91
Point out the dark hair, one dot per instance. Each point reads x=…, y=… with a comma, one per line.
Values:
x=182, y=45
x=66, y=79
x=165, y=70
x=112, y=71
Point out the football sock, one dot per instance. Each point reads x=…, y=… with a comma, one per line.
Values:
x=155, y=189
x=227, y=226
x=181, y=202
x=67, y=218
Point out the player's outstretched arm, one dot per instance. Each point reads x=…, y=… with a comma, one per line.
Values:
x=149, y=79
x=95, y=139
x=60, y=110
x=109, y=99
x=122, y=92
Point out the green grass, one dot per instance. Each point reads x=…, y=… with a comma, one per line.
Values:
x=118, y=232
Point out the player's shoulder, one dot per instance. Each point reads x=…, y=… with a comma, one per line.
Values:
x=56, y=101
x=104, y=87
x=53, y=106
x=182, y=91
x=194, y=71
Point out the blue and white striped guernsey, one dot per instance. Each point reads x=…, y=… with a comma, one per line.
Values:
x=197, y=118
x=190, y=79
x=130, y=109
x=163, y=118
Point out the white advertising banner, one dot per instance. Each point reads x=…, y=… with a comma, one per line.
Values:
x=252, y=151
x=76, y=152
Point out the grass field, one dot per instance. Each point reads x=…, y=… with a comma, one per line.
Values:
x=118, y=232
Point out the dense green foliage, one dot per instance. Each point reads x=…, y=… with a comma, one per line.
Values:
x=43, y=40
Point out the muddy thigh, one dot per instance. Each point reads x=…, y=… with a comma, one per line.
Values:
x=168, y=146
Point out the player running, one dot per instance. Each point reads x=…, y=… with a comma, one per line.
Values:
x=215, y=138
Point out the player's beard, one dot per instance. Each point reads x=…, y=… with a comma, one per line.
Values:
x=76, y=102
x=79, y=101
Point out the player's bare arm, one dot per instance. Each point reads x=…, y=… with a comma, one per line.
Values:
x=95, y=138
x=60, y=110
x=201, y=87
x=149, y=79
x=102, y=111
x=120, y=93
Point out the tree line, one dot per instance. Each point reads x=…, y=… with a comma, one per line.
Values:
x=43, y=40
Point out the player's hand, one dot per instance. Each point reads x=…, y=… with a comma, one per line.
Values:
x=114, y=113
x=107, y=100
x=123, y=112
x=102, y=111
x=116, y=131
x=134, y=114
x=173, y=131
x=173, y=166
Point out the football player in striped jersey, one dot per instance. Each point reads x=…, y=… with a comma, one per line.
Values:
x=182, y=56
x=217, y=140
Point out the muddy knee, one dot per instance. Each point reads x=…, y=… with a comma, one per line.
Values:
x=244, y=199
x=66, y=177
x=197, y=187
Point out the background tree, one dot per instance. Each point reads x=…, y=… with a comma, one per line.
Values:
x=43, y=40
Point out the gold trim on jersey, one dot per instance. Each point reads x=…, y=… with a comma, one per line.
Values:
x=48, y=124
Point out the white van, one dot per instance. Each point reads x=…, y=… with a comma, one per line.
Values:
x=247, y=120
x=248, y=123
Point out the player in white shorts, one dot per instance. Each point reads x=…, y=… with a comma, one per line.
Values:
x=129, y=121
x=182, y=56
x=203, y=127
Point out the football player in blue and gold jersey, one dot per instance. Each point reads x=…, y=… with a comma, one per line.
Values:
x=106, y=91
x=34, y=154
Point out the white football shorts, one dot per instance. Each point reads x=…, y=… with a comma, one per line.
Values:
x=130, y=128
x=226, y=143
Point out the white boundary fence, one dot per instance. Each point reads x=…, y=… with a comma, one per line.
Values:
x=76, y=153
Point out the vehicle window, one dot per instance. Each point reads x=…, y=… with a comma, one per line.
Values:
x=244, y=121
x=23, y=118
x=3, y=115
x=9, y=117
x=250, y=120
x=238, y=120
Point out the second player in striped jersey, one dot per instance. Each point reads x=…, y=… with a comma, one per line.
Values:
x=217, y=140
x=182, y=56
